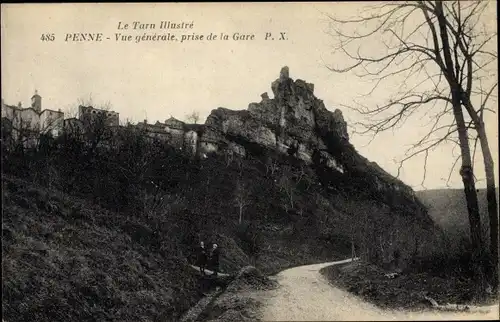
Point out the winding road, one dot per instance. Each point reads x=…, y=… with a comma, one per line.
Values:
x=305, y=295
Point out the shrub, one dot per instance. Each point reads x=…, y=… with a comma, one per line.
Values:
x=249, y=239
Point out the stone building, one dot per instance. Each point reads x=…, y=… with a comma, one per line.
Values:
x=89, y=114
x=188, y=137
x=156, y=130
x=29, y=122
x=176, y=130
x=36, y=102
x=51, y=121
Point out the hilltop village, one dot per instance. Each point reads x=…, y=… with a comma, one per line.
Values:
x=293, y=123
x=34, y=120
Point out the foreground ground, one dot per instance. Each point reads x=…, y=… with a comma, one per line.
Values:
x=69, y=259
x=305, y=294
x=409, y=290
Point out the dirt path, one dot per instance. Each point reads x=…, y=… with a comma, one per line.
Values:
x=305, y=295
x=208, y=272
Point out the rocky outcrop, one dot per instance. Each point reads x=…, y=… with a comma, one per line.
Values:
x=293, y=122
x=297, y=123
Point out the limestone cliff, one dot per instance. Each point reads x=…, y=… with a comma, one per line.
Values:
x=296, y=122
x=293, y=122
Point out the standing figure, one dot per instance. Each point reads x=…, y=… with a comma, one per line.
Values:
x=202, y=257
x=214, y=259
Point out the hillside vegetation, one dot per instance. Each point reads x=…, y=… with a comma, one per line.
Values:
x=103, y=222
x=67, y=259
x=448, y=209
x=446, y=277
x=107, y=230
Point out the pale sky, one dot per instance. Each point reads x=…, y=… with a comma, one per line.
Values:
x=156, y=80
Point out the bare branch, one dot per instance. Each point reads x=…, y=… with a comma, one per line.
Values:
x=193, y=117
x=425, y=168
x=483, y=103
x=452, y=169
x=443, y=50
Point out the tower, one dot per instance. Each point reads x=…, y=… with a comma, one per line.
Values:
x=36, y=102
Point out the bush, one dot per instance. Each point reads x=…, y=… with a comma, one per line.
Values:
x=249, y=239
x=59, y=268
x=445, y=263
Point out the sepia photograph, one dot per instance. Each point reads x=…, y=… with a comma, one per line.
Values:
x=244, y=161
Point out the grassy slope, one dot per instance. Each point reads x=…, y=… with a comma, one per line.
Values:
x=447, y=278
x=448, y=209
x=406, y=291
x=65, y=259
x=82, y=254
x=95, y=252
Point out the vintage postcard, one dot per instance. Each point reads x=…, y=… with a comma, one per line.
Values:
x=326, y=161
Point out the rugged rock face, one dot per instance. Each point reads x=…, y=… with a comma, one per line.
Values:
x=296, y=122
x=292, y=122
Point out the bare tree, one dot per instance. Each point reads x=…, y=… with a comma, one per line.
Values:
x=25, y=131
x=52, y=125
x=71, y=111
x=242, y=198
x=27, y=126
x=96, y=123
x=442, y=56
x=305, y=176
x=89, y=100
x=193, y=117
x=287, y=185
x=126, y=122
x=86, y=100
x=271, y=165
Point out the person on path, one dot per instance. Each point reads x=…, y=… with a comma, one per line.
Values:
x=202, y=258
x=214, y=259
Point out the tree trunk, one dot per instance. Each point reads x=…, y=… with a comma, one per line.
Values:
x=466, y=170
x=492, y=202
x=241, y=214
x=467, y=174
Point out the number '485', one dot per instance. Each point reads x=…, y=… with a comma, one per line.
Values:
x=48, y=37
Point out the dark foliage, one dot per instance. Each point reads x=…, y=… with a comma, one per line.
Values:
x=134, y=209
